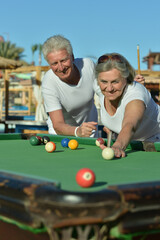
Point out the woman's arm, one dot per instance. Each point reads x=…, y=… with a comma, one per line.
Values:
x=133, y=115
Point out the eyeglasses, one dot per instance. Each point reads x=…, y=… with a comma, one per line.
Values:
x=105, y=58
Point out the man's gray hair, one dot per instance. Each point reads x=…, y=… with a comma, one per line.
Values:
x=55, y=43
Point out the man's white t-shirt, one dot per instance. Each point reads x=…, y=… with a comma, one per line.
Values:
x=150, y=124
x=76, y=102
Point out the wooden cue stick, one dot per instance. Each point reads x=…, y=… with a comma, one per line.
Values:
x=138, y=56
x=109, y=138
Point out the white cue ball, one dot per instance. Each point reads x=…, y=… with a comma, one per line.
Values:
x=108, y=153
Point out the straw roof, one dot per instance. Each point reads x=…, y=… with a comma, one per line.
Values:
x=6, y=63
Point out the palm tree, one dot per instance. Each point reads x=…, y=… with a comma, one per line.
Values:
x=9, y=50
x=34, y=48
x=40, y=54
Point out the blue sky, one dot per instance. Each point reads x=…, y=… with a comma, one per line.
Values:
x=94, y=27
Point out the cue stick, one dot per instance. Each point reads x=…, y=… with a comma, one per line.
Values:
x=138, y=57
x=109, y=138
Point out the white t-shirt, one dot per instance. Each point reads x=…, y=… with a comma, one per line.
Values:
x=150, y=124
x=76, y=102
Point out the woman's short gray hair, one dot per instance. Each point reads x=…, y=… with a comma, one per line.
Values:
x=55, y=43
x=110, y=61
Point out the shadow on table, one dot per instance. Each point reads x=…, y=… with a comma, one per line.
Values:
x=99, y=184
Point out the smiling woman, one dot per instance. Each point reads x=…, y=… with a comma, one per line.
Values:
x=112, y=85
x=127, y=107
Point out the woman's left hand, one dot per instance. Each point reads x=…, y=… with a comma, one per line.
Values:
x=118, y=152
x=140, y=79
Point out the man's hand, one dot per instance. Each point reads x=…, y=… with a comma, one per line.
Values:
x=86, y=129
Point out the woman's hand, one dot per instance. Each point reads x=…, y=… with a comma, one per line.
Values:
x=140, y=79
x=118, y=152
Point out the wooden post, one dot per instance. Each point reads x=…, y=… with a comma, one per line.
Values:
x=159, y=94
x=1, y=104
x=23, y=98
x=6, y=96
x=38, y=75
x=138, y=57
x=6, y=86
x=29, y=100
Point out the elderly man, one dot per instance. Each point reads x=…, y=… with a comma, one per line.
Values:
x=68, y=90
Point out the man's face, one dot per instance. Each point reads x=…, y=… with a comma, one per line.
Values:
x=61, y=64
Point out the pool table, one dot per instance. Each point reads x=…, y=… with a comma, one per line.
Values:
x=40, y=199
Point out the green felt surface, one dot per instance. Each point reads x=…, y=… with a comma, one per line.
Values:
x=21, y=157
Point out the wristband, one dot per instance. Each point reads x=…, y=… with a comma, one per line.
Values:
x=75, y=131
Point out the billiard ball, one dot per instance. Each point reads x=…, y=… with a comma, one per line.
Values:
x=45, y=139
x=108, y=153
x=99, y=141
x=34, y=141
x=73, y=144
x=65, y=142
x=85, y=177
x=39, y=139
x=50, y=147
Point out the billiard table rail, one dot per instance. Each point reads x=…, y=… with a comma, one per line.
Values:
x=36, y=203
x=133, y=145
x=27, y=200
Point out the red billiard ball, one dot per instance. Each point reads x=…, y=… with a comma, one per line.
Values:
x=99, y=141
x=50, y=147
x=39, y=139
x=85, y=177
x=73, y=144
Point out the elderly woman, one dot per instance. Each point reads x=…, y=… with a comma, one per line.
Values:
x=127, y=107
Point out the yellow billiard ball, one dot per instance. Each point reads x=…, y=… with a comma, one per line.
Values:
x=73, y=144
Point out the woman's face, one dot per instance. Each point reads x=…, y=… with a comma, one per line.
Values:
x=112, y=84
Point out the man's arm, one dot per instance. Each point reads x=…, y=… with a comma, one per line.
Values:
x=61, y=128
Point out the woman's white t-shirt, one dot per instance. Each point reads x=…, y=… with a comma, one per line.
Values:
x=150, y=124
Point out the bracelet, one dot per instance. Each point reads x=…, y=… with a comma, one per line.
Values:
x=75, y=131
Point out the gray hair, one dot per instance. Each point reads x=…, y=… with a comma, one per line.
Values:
x=54, y=43
x=125, y=68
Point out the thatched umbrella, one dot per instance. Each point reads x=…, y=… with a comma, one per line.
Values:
x=6, y=63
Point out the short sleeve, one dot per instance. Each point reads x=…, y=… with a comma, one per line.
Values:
x=51, y=101
x=50, y=93
x=136, y=91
